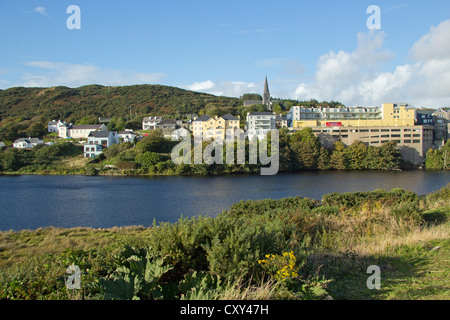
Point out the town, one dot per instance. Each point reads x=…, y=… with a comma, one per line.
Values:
x=414, y=130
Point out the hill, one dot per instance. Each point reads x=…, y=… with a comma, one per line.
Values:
x=72, y=104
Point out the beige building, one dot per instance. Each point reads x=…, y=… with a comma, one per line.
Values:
x=80, y=131
x=413, y=141
x=390, y=114
x=209, y=128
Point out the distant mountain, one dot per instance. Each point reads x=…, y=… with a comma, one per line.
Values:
x=104, y=101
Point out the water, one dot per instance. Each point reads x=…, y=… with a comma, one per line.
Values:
x=30, y=202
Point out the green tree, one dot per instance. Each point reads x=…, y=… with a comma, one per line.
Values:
x=390, y=156
x=116, y=124
x=154, y=142
x=87, y=120
x=434, y=159
x=323, y=161
x=148, y=159
x=356, y=154
x=338, y=160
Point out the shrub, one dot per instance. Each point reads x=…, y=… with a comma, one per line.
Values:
x=125, y=165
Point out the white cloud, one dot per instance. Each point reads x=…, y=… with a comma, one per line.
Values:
x=354, y=78
x=75, y=75
x=223, y=88
x=201, y=86
x=435, y=44
x=41, y=10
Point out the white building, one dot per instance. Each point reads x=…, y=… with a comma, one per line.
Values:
x=79, y=131
x=127, y=136
x=23, y=143
x=53, y=126
x=149, y=123
x=260, y=123
x=97, y=141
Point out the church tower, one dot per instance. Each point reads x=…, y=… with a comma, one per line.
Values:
x=266, y=95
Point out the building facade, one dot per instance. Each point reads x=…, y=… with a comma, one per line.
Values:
x=53, y=126
x=413, y=141
x=390, y=114
x=23, y=143
x=80, y=131
x=149, y=123
x=126, y=136
x=208, y=128
x=260, y=123
x=441, y=118
x=97, y=141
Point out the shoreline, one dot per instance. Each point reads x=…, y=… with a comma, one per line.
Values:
x=130, y=174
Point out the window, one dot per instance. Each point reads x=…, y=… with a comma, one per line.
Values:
x=416, y=141
x=395, y=136
x=407, y=141
x=416, y=135
x=407, y=136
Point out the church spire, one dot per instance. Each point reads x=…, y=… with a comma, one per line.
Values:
x=266, y=95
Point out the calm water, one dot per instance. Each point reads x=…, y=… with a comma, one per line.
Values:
x=30, y=202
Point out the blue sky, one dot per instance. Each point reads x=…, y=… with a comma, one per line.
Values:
x=308, y=49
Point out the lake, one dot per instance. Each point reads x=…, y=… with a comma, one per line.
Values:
x=33, y=201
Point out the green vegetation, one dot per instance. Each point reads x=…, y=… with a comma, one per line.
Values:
x=72, y=104
x=299, y=151
x=439, y=159
x=53, y=159
x=293, y=248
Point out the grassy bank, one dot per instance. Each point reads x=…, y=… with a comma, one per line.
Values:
x=293, y=248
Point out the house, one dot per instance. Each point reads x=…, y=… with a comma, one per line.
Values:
x=179, y=134
x=208, y=128
x=260, y=123
x=166, y=125
x=424, y=117
x=149, y=123
x=97, y=141
x=441, y=119
x=80, y=131
x=23, y=143
x=281, y=121
x=127, y=136
x=53, y=126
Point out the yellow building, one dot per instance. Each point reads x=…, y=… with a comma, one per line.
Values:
x=209, y=128
x=390, y=114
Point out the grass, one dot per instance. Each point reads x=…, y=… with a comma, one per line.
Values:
x=412, y=252
x=414, y=266
x=20, y=245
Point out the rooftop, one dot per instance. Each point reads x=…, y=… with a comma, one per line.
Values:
x=229, y=117
x=87, y=126
x=99, y=134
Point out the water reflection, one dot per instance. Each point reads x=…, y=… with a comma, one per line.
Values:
x=29, y=202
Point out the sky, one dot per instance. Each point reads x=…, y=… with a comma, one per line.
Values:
x=324, y=50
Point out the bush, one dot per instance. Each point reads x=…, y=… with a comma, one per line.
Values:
x=125, y=165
